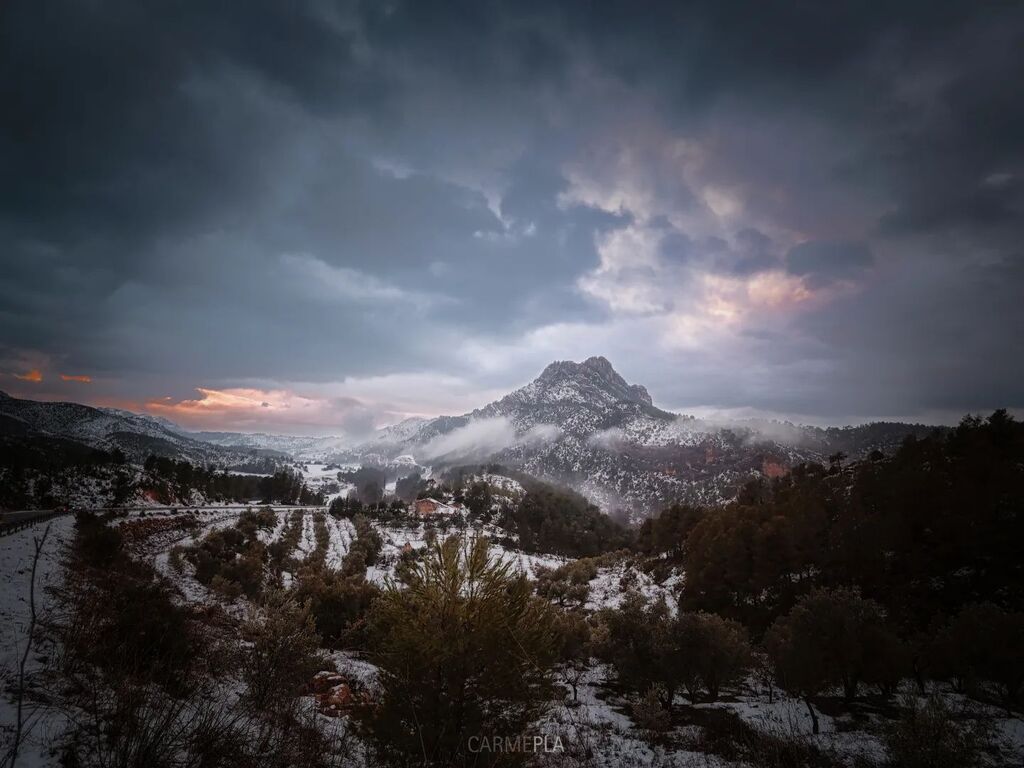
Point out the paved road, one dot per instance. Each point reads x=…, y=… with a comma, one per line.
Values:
x=18, y=520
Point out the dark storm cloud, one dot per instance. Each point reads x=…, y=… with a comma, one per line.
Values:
x=126, y=116
x=751, y=252
x=825, y=262
x=755, y=250
x=196, y=193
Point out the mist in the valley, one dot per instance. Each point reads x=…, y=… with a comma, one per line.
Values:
x=485, y=437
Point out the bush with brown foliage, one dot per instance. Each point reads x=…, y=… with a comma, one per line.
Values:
x=928, y=735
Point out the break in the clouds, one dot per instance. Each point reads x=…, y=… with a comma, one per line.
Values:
x=329, y=215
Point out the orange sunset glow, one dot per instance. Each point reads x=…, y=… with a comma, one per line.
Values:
x=35, y=376
x=246, y=407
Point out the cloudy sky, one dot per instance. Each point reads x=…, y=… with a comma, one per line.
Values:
x=324, y=216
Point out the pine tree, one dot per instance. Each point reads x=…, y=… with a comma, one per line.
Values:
x=464, y=649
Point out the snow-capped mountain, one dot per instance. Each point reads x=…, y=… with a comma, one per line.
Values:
x=578, y=398
x=584, y=425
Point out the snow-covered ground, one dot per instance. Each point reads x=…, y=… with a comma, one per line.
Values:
x=314, y=472
x=324, y=477
x=396, y=538
x=160, y=550
x=611, y=584
x=267, y=537
x=594, y=732
x=341, y=534
x=508, y=487
x=598, y=729
x=307, y=541
x=16, y=554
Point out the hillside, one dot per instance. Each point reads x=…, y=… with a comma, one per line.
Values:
x=30, y=422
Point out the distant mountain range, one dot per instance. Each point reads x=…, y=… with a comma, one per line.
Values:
x=136, y=435
x=297, y=446
x=580, y=424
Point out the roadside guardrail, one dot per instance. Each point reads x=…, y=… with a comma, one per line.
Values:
x=11, y=522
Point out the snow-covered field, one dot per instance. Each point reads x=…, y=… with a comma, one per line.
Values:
x=397, y=538
x=307, y=541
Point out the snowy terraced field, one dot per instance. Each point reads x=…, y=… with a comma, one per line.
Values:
x=307, y=541
x=341, y=535
x=267, y=537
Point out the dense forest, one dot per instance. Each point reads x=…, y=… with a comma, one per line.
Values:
x=550, y=519
x=934, y=527
x=172, y=482
x=48, y=473
x=27, y=468
x=851, y=575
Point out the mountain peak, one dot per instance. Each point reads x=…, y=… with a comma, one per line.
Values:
x=597, y=373
x=561, y=368
x=598, y=363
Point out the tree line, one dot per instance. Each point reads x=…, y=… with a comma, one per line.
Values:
x=172, y=482
x=925, y=532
